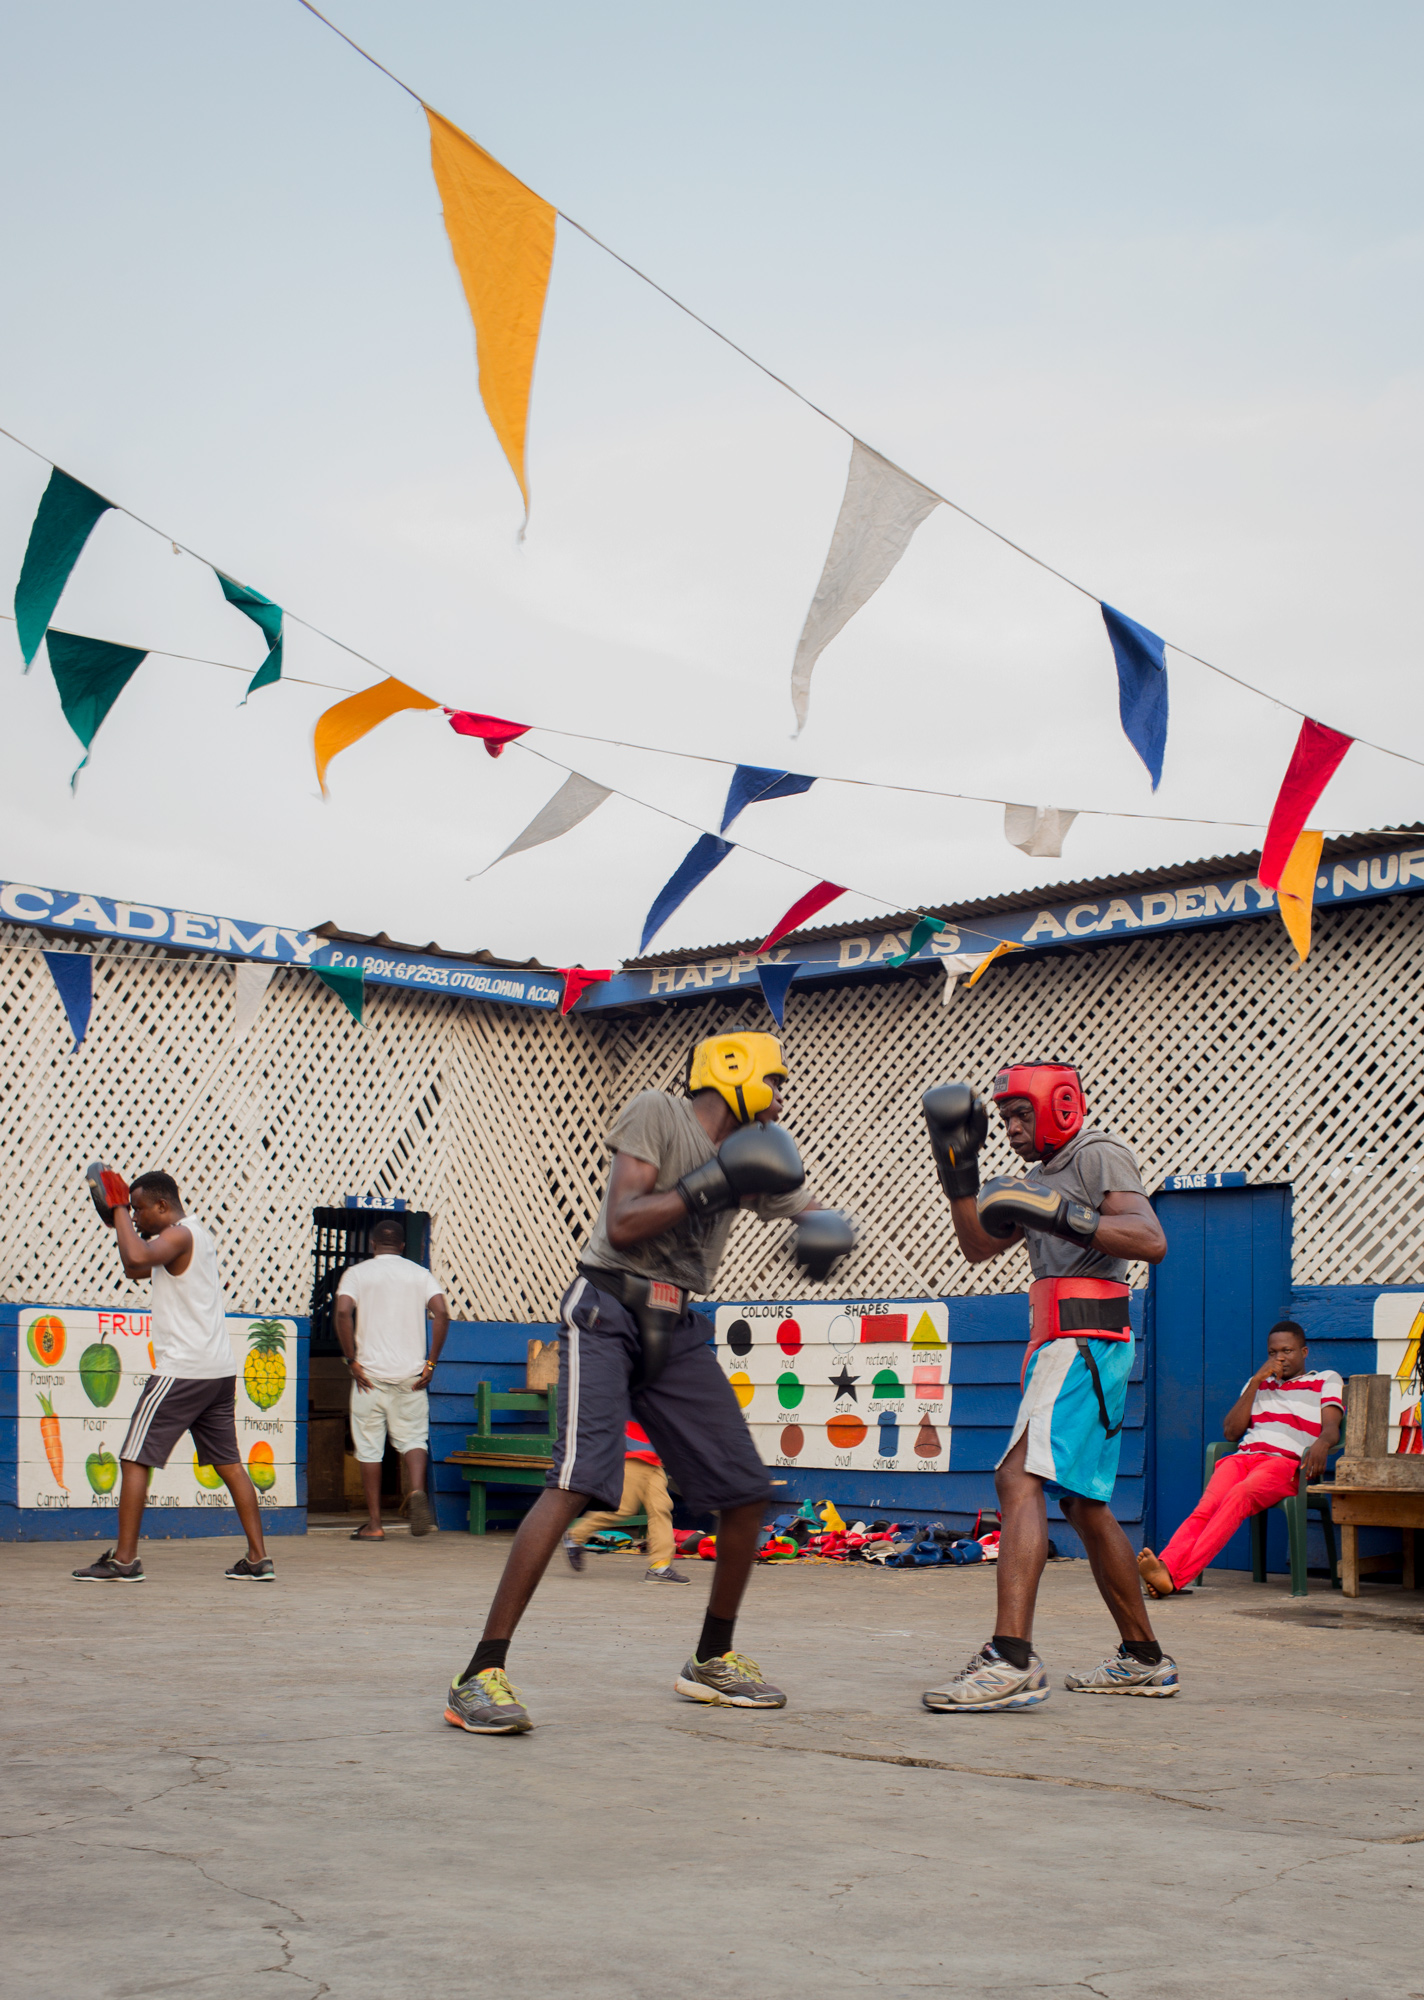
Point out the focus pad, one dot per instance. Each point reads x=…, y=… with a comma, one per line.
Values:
x=107, y=1189
x=823, y=1237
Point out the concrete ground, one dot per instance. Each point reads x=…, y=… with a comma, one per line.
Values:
x=216, y=1790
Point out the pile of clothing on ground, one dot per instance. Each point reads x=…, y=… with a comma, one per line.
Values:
x=822, y=1535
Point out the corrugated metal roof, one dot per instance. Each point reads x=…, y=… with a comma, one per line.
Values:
x=431, y=950
x=1057, y=892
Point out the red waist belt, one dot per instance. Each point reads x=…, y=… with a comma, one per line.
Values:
x=1075, y=1309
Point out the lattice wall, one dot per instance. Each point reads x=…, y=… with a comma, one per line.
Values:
x=1202, y=1050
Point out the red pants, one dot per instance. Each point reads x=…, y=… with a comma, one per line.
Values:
x=1244, y=1484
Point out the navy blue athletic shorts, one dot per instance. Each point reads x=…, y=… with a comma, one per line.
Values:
x=690, y=1413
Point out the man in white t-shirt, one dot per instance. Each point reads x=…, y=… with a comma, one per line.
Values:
x=1286, y=1419
x=381, y=1311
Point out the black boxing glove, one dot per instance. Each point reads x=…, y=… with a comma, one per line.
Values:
x=823, y=1237
x=756, y=1159
x=1007, y=1205
x=959, y=1125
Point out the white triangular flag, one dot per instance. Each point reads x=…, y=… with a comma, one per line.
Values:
x=575, y=799
x=251, y=982
x=1037, y=830
x=956, y=964
x=880, y=510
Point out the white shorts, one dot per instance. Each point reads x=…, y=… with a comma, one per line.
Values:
x=390, y=1408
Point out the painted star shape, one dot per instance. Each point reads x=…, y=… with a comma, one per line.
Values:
x=844, y=1384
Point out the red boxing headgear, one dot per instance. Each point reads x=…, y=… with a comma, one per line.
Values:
x=1056, y=1094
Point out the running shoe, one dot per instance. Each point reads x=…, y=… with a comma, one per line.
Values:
x=1121, y=1674
x=666, y=1575
x=986, y=1682
x=419, y=1515
x=574, y=1551
x=728, y=1680
x=107, y=1570
x=247, y=1571
x=487, y=1705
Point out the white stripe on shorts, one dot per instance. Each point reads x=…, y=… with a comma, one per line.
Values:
x=155, y=1389
x=566, y=1313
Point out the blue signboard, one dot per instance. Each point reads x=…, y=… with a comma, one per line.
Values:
x=1109, y=917
x=67, y=910
x=1183, y=1183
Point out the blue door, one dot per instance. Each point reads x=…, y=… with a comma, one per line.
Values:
x=1210, y=1304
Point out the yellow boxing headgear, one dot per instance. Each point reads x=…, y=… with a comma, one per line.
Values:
x=736, y=1065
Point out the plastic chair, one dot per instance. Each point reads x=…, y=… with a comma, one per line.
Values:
x=1297, y=1508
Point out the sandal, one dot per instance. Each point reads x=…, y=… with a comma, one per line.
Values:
x=361, y=1536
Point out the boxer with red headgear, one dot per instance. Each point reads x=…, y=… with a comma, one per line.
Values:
x=1083, y=1215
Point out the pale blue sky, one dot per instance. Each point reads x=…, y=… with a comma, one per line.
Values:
x=1140, y=287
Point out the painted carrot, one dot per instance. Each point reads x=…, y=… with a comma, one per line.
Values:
x=54, y=1450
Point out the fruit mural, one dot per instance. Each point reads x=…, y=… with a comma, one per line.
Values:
x=852, y=1386
x=80, y=1374
x=264, y=1372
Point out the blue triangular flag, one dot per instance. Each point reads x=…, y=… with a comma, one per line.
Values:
x=774, y=981
x=696, y=865
x=1141, y=688
x=751, y=785
x=73, y=976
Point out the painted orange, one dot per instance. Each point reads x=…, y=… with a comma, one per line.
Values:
x=845, y=1432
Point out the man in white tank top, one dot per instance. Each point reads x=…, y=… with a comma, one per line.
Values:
x=194, y=1384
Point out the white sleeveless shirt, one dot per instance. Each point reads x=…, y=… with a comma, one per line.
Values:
x=190, y=1336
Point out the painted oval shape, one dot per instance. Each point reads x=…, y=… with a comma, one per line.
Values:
x=845, y=1432
x=742, y=1387
x=789, y=1391
x=788, y=1337
x=739, y=1337
x=793, y=1441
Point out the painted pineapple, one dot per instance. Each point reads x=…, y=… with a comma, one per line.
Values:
x=264, y=1371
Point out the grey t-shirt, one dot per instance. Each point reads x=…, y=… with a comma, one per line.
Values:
x=1091, y=1165
x=666, y=1133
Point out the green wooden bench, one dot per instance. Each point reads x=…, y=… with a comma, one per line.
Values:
x=505, y=1457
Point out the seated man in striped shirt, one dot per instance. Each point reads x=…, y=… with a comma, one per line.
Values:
x=1287, y=1415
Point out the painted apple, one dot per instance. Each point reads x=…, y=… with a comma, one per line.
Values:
x=102, y=1470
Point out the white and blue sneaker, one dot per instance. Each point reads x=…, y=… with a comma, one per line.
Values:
x=1121, y=1674
x=988, y=1681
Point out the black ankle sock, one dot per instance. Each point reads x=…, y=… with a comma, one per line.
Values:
x=716, y=1637
x=489, y=1653
x=1016, y=1651
x=1145, y=1650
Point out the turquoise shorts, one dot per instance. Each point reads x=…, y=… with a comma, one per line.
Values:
x=1068, y=1443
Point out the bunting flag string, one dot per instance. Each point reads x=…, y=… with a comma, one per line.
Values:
x=920, y=936
x=267, y=617
x=494, y=732
x=502, y=237
x=348, y=983
x=988, y=959
x=801, y=912
x=1295, y=898
x=250, y=982
x=63, y=523
x=775, y=982
x=73, y=976
x=1141, y=688
x=752, y=785
x=90, y=675
x=880, y=510
x=577, y=982
x=1317, y=756
x=1039, y=831
x=348, y=721
x=575, y=799
x=705, y=854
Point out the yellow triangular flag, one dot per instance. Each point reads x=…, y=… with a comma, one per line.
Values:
x=1295, y=896
x=351, y=719
x=924, y=1334
x=983, y=966
x=502, y=235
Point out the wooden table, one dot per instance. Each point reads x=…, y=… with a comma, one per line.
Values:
x=1356, y=1507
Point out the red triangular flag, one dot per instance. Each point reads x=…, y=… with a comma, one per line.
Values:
x=494, y=732
x=576, y=980
x=813, y=900
x=1314, y=762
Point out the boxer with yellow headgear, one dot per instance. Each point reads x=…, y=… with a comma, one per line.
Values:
x=738, y=1067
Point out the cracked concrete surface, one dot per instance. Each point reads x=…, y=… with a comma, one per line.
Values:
x=211, y=1790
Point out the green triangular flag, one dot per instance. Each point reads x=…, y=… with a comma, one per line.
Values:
x=347, y=982
x=90, y=675
x=65, y=519
x=268, y=616
x=925, y=929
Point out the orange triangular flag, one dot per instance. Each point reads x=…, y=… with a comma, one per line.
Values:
x=983, y=966
x=502, y=235
x=350, y=720
x=1296, y=894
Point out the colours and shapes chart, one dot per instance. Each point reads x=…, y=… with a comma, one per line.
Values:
x=77, y=1377
x=861, y=1386
x=1398, y=1331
